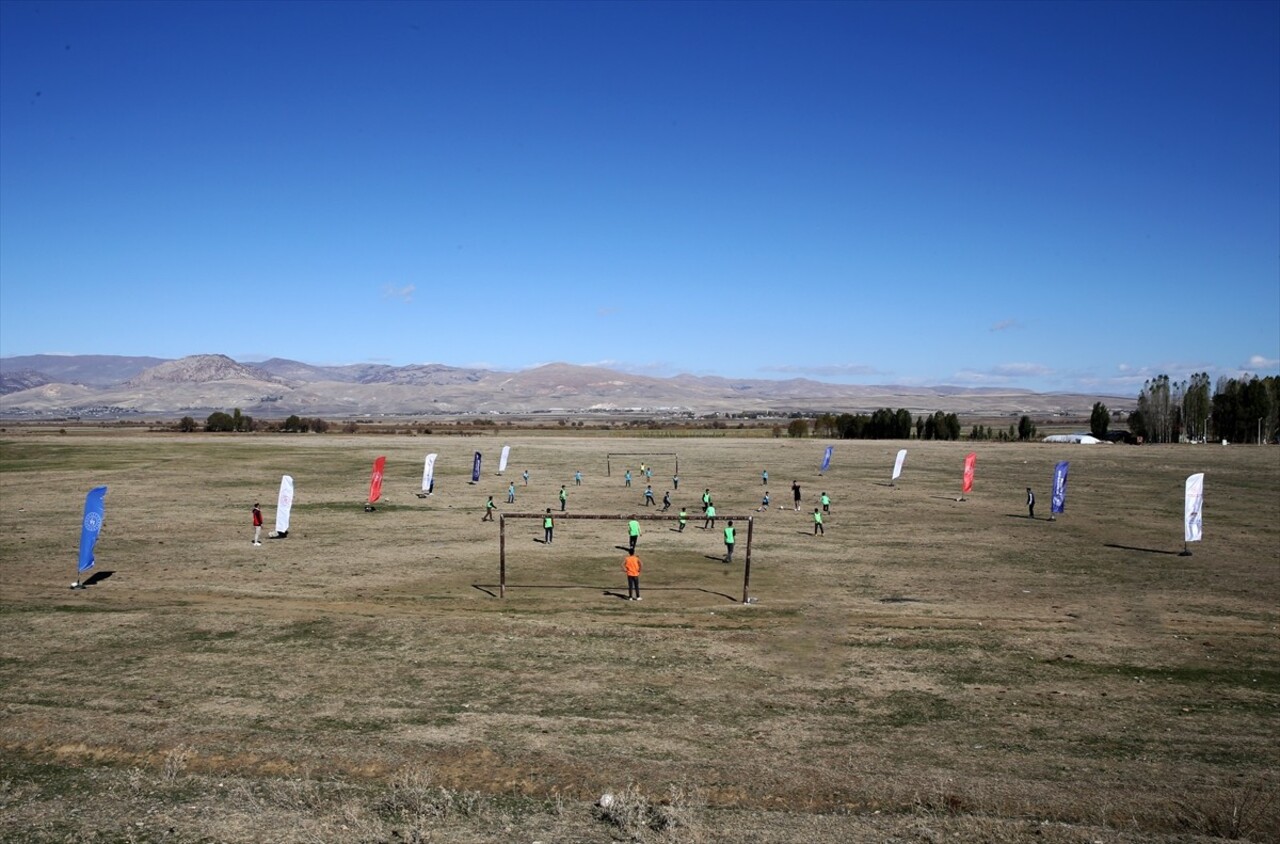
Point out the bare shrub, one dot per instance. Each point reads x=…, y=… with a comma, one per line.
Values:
x=627, y=809
x=678, y=815
x=176, y=761
x=682, y=811
x=1233, y=812
x=412, y=796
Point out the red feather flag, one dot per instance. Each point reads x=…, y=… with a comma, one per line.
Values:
x=969, y=462
x=375, y=483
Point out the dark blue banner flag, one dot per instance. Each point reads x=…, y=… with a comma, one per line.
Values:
x=1059, y=504
x=826, y=459
x=93, y=509
x=475, y=468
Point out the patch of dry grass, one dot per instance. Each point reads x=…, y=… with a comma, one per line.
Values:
x=928, y=669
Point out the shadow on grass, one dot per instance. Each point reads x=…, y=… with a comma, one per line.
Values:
x=1143, y=550
x=491, y=589
x=97, y=577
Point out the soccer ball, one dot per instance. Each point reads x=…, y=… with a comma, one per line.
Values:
x=606, y=800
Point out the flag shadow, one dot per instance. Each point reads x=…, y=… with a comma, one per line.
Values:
x=97, y=577
x=1143, y=550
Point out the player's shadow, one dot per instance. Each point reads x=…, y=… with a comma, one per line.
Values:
x=609, y=594
x=491, y=589
x=623, y=548
x=1143, y=550
x=1023, y=516
x=713, y=558
x=882, y=483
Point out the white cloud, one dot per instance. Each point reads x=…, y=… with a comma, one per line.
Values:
x=1260, y=362
x=1021, y=370
x=972, y=376
x=1003, y=374
x=404, y=294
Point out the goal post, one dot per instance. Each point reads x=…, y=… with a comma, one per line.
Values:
x=502, y=539
x=608, y=458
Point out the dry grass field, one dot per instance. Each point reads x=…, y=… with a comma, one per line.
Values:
x=928, y=670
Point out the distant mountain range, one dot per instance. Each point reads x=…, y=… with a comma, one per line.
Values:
x=51, y=386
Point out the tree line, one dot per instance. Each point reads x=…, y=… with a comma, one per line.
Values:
x=238, y=422
x=889, y=424
x=1240, y=410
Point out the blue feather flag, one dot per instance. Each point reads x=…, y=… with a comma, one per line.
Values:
x=1059, y=501
x=91, y=526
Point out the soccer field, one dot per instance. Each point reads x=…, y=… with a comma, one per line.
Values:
x=926, y=668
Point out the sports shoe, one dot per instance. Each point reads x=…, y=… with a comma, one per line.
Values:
x=637, y=597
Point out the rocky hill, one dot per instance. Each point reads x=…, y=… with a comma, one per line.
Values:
x=200, y=384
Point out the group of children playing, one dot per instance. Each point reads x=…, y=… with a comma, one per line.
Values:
x=631, y=565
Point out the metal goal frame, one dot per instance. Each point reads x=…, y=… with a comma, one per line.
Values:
x=502, y=540
x=608, y=458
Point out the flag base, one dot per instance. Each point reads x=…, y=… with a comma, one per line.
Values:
x=1185, y=552
x=77, y=585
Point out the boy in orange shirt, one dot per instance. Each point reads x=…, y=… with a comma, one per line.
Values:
x=631, y=565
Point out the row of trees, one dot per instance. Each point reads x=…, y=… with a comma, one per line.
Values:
x=1240, y=409
x=1021, y=432
x=301, y=425
x=219, y=421
x=238, y=422
x=889, y=424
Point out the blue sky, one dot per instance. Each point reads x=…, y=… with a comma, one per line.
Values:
x=1070, y=196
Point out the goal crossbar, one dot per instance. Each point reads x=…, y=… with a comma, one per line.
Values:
x=654, y=517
